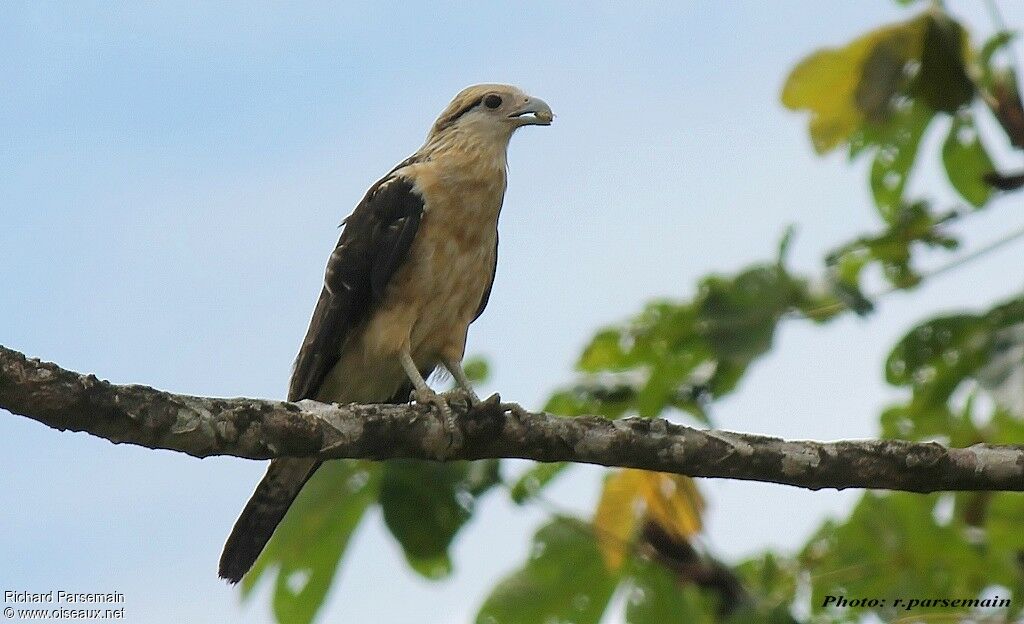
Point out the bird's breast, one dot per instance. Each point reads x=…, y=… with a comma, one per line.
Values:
x=452, y=261
x=434, y=296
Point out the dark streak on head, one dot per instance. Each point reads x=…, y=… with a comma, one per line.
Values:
x=446, y=123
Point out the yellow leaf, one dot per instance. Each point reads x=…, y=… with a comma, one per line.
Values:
x=629, y=496
x=843, y=86
x=616, y=516
x=674, y=503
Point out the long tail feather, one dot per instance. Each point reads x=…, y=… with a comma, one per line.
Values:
x=265, y=510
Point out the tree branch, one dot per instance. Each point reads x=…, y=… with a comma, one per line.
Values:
x=262, y=429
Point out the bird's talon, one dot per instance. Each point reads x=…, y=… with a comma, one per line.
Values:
x=448, y=424
x=472, y=400
x=516, y=410
x=461, y=395
x=437, y=400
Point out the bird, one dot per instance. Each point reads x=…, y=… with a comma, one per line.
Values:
x=413, y=268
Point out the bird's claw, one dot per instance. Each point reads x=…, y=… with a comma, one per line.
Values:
x=517, y=411
x=448, y=424
x=465, y=395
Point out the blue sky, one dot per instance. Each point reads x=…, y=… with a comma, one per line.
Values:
x=174, y=172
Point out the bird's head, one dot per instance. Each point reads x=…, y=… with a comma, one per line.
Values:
x=492, y=111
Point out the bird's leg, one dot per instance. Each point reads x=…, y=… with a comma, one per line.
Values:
x=459, y=373
x=424, y=394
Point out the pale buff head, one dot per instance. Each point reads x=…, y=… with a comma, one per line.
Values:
x=492, y=111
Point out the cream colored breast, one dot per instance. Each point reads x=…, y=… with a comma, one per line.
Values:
x=451, y=261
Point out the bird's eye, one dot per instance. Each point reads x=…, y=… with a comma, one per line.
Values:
x=492, y=101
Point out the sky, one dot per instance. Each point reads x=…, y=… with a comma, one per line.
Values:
x=172, y=175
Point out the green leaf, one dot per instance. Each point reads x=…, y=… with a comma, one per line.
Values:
x=1002, y=375
x=939, y=353
x=991, y=74
x=897, y=140
x=477, y=369
x=586, y=399
x=740, y=314
x=1003, y=521
x=967, y=162
x=943, y=82
x=892, y=545
x=564, y=580
x=424, y=505
x=770, y=578
x=776, y=615
x=912, y=223
x=785, y=243
x=308, y=545
x=682, y=355
x=1005, y=428
x=921, y=420
x=994, y=44
x=983, y=353
x=604, y=352
x=536, y=479
x=662, y=385
x=656, y=597
x=1004, y=514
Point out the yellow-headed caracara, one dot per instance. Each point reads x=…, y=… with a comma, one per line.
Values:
x=412, y=270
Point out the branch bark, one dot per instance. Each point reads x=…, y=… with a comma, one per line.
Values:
x=263, y=429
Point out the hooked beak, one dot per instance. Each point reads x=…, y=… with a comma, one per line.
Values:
x=533, y=112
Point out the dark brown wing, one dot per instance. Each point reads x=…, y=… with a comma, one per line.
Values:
x=373, y=245
x=490, y=284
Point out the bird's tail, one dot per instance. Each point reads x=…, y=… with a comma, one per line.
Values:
x=265, y=510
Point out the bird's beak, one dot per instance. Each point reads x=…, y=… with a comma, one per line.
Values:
x=533, y=112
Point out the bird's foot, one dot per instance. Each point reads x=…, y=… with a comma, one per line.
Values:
x=464, y=395
x=451, y=433
x=518, y=412
x=495, y=406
